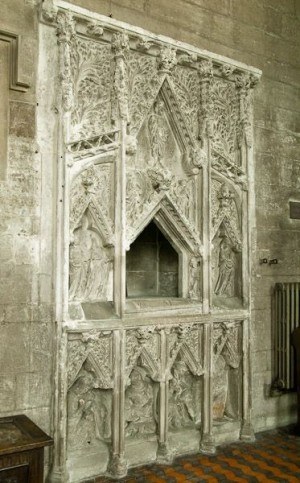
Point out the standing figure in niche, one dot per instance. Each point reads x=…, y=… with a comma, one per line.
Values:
x=194, y=289
x=89, y=265
x=98, y=272
x=225, y=282
x=158, y=131
x=80, y=248
x=225, y=379
x=139, y=404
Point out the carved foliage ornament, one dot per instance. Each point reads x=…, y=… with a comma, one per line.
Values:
x=66, y=36
x=120, y=47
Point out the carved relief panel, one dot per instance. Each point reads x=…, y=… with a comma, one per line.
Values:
x=227, y=367
x=89, y=397
x=91, y=235
x=142, y=372
x=185, y=373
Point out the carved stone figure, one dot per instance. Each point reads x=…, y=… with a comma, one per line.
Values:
x=158, y=131
x=225, y=282
x=194, y=273
x=89, y=265
x=225, y=377
x=120, y=46
x=182, y=193
x=181, y=401
x=167, y=60
x=140, y=404
x=89, y=410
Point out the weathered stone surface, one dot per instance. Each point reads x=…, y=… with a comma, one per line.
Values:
x=22, y=120
x=32, y=390
x=7, y=393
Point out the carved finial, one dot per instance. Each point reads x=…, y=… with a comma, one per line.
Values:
x=167, y=60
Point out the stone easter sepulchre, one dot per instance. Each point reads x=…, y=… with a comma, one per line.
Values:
x=154, y=211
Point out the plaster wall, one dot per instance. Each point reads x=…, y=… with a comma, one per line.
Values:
x=264, y=34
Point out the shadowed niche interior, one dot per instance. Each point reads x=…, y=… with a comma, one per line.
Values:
x=151, y=266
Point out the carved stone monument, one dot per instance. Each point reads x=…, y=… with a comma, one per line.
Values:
x=153, y=245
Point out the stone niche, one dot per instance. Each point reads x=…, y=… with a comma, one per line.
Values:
x=151, y=266
x=154, y=199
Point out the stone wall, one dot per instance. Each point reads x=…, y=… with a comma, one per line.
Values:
x=25, y=246
x=264, y=34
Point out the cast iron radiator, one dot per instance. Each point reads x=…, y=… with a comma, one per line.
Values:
x=286, y=310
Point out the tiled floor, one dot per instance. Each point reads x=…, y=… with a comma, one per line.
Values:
x=274, y=456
